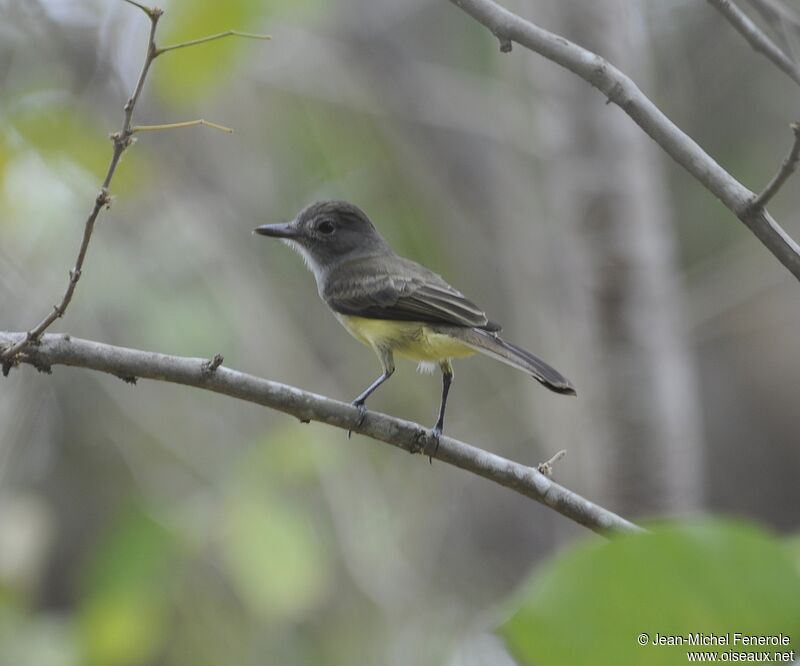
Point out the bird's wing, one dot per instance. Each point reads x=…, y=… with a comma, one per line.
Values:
x=403, y=291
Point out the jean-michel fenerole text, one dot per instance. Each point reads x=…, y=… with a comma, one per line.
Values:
x=731, y=638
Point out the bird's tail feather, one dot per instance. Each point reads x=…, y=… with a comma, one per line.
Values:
x=493, y=345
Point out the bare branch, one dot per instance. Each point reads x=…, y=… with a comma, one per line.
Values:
x=781, y=19
x=787, y=169
x=757, y=38
x=777, y=11
x=546, y=467
x=55, y=349
x=621, y=90
x=121, y=141
x=185, y=123
x=211, y=38
x=150, y=11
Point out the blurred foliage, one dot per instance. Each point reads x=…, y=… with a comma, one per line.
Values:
x=41, y=640
x=59, y=133
x=337, y=147
x=129, y=582
x=189, y=73
x=53, y=136
x=272, y=546
x=264, y=543
x=591, y=603
x=5, y=156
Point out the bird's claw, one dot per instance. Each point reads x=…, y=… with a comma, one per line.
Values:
x=436, y=433
x=362, y=413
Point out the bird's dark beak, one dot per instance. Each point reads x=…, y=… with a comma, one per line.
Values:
x=286, y=230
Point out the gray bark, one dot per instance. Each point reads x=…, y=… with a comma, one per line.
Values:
x=132, y=364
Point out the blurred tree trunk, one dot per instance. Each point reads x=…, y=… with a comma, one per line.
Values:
x=636, y=428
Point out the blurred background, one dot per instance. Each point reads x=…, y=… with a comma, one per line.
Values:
x=154, y=524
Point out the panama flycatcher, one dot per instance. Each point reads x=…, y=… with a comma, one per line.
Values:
x=394, y=305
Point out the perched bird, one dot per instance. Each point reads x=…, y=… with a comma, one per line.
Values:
x=394, y=305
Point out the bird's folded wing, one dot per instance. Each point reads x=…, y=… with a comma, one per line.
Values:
x=405, y=298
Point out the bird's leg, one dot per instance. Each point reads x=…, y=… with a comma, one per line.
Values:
x=447, y=380
x=361, y=399
x=387, y=361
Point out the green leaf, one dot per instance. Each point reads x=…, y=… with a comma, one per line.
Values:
x=591, y=603
x=793, y=543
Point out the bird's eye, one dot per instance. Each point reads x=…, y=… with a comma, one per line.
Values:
x=326, y=227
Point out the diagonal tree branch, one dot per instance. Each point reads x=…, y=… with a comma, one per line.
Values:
x=130, y=364
x=778, y=16
x=620, y=89
x=757, y=38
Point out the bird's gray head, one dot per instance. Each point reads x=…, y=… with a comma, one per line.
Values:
x=328, y=232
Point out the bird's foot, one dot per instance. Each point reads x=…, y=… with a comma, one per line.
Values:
x=362, y=412
x=433, y=446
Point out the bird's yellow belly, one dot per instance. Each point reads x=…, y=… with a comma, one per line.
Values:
x=409, y=339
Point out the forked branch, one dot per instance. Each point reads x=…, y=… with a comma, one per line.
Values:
x=757, y=38
x=787, y=169
x=121, y=140
x=620, y=89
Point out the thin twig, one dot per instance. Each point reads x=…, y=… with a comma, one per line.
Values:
x=185, y=123
x=147, y=10
x=121, y=140
x=777, y=11
x=546, y=467
x=211, y=38
x=757, y=38
x=55, y=349
x=787, y=169
x=620, y=89
x=779, y=19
